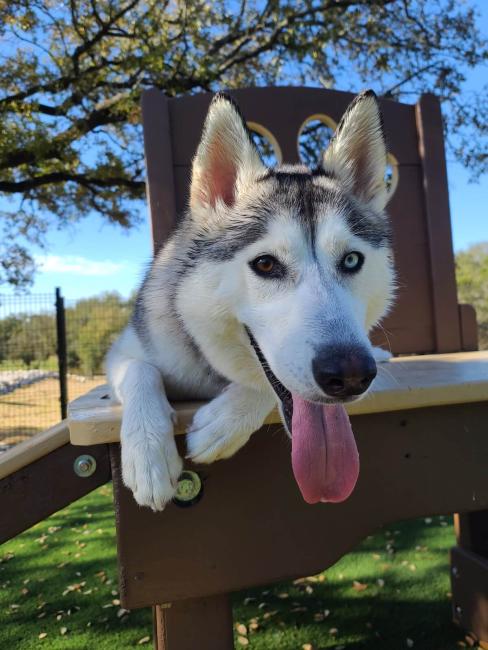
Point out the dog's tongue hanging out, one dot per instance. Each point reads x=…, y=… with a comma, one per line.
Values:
x=325, y=458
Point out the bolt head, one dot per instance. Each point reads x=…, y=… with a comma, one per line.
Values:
x=84, y=466
x=189, y=489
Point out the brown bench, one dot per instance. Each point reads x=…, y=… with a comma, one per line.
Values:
x=421, y=435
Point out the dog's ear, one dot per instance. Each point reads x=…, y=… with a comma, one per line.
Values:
x=226, y=157
x=357, y=151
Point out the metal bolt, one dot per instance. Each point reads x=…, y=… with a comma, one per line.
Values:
x=189, y=489
x=85, y=466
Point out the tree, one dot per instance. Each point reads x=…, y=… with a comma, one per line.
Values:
x=92, y=325
x=472, y=281
x=72, y=74
x=32, y=339
x=9, y=326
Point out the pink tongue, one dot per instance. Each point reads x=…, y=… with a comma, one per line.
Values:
x=324, y=455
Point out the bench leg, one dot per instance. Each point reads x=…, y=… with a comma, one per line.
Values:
x=203, y=623
x=469, y=574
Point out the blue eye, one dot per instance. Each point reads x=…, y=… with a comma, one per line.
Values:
x=352, y=262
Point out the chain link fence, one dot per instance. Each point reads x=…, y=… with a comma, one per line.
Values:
x=51, y=351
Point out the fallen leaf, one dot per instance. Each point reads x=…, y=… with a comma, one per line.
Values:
x=380, y=582
x=42, y=635
x=241, y=629
x=359, y=586
x=242, y=640
x=307, y=646
x=334, y=631
x=63, y=631
x=283, y=595
x=409, y=643
x=145, y=639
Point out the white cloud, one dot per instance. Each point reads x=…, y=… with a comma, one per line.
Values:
x=78, y=265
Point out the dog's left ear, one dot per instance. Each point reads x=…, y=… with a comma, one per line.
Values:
x=226, y=157
x=357, y=151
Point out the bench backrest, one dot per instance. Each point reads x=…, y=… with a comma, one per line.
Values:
x=426, y=317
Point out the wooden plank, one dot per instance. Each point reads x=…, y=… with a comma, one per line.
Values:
x=468, y=327
x=46, y=485
x=432, y=154
x=203, y=623
x=472, y=531
x=159, y=165
x=248, y=530
x=33, y=449
x=469, y=586
x=402, y=383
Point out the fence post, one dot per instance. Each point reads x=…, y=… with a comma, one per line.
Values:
x=61, y=352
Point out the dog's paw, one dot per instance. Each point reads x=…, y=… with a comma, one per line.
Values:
x=381, y=355
x=214, y=435
x=151, y=465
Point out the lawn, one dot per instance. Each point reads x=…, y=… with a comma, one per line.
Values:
x=59, y=590
x=34, y=408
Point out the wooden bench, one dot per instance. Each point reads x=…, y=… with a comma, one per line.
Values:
x=422, y=433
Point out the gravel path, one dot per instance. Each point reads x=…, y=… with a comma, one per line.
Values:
x=10, y=380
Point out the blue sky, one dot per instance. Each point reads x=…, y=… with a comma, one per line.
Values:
x=95, y=256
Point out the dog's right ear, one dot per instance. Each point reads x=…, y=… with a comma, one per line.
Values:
x=226, y=158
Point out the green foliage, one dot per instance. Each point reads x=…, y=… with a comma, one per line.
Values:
x=91, y=326
x=472, y=281
x=72, y=74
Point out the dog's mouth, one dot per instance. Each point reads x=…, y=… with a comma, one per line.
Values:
x=325, y=458
x=283, y=393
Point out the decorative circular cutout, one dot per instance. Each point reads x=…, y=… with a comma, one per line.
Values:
x=266, y=144
x=313, y=138
x=391, y=174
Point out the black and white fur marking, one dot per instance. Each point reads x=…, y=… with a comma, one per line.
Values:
x=188, y=337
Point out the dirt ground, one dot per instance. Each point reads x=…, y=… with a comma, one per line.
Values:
x=31, y=409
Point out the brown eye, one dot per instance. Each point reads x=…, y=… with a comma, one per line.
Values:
x=267, y=266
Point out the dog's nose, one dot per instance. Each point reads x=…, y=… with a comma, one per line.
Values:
x=343, y=372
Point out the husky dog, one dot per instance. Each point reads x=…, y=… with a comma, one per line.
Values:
x=263, y=296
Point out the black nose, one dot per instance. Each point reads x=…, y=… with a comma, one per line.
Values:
x=343, y=372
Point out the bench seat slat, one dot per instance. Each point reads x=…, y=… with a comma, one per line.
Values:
x=402, y=383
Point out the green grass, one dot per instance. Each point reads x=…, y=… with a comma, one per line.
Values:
x=60, y=579
x=51, y=363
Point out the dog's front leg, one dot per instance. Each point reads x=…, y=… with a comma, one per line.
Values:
x=150, y=461
x=224, y=425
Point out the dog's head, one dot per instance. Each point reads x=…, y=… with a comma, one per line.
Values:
x=305, y=257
